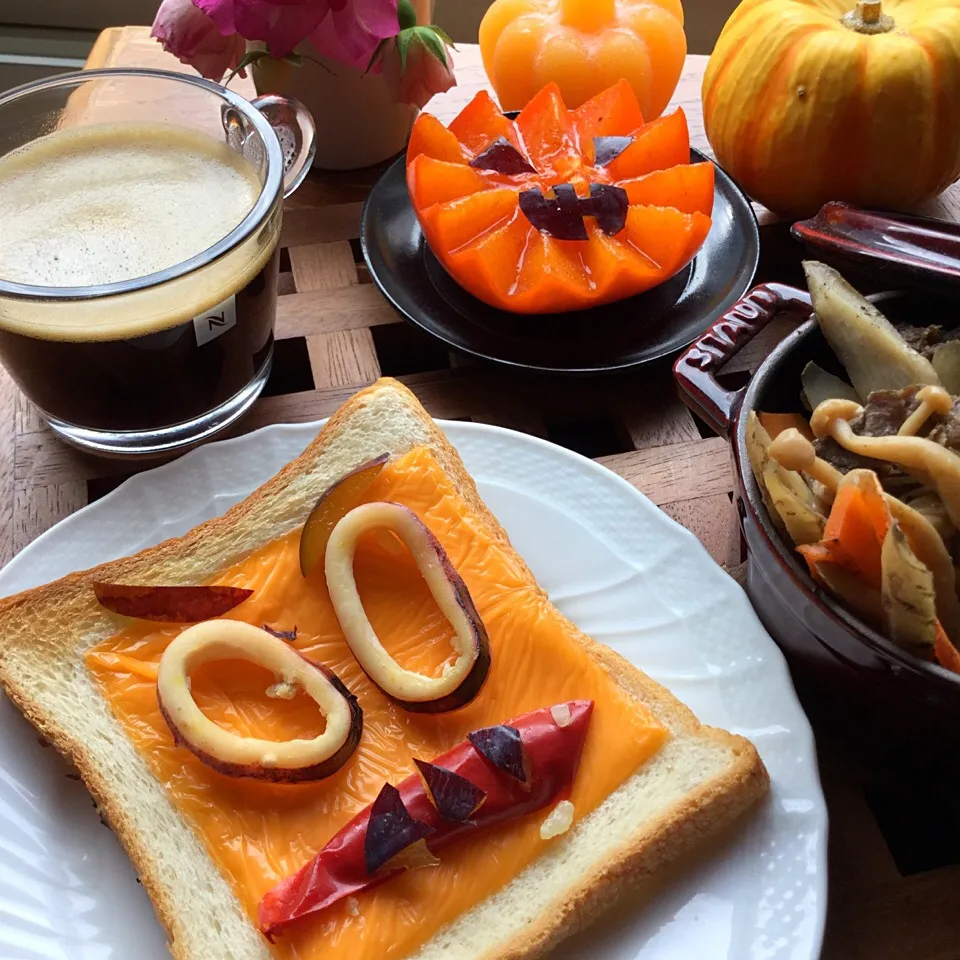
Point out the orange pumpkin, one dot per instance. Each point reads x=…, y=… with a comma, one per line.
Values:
x=559, y=210
x=805, y=101
x=584, y=46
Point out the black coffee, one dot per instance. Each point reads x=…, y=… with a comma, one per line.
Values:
x=156, y=380
x=96, y=205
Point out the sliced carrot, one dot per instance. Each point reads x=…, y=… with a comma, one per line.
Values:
x=846, y=505
x=687, y=188
x=858, y=523
x=855, y=530
x=850, y=524
x=547, y=131
x=874, y=500
x=946, y=653
x=430, y=137
x=613, y=113
x=776, y=423
x=436, y=181
x=481, y=123
x=657, y=146
x=826, y=551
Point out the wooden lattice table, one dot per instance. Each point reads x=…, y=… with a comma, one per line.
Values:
x=895, y=837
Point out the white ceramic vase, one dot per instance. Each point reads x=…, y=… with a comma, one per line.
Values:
x=359, y=123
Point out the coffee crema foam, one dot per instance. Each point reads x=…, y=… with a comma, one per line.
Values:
x=112, y=202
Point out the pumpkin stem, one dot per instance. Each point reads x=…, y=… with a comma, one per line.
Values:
x=868, y=17
x=588, y=16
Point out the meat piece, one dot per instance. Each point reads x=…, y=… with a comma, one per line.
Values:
x=845, y=461
x=925, y=340
x=922, y=339
x=885, y=412
x=883, y=416
x=946, y=430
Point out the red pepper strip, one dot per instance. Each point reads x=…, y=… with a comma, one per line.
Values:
x=339, y=869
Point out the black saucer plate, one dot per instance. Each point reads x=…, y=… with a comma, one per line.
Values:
x=602, y=339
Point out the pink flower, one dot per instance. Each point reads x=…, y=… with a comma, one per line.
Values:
x=346, y=30
x=280, y=24
x=427, y=67
x=195, y=39
x=352, y=30
x=221, y=12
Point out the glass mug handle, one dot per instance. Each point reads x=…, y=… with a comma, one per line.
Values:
x=297, y=133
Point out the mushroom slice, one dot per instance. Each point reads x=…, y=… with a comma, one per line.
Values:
x=933, y=402
x=285, y=761
x=832, y=419
x=461, y=680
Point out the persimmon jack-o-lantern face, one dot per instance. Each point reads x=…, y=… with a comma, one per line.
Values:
x=559, y=209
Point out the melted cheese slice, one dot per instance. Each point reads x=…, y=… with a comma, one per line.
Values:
x=258, y=833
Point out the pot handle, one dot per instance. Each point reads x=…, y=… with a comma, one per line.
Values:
x=696, y=368
x=297, y=133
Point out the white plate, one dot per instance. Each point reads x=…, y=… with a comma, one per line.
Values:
x=612, y=562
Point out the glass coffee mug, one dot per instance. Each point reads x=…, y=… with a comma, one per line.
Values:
x=146, y=364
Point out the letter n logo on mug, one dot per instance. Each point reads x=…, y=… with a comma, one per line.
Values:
x=215, y=321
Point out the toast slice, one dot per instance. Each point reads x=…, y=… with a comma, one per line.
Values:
x=699, y=782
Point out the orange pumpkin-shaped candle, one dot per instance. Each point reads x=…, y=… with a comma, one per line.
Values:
x=561, y=209
x=584, y=46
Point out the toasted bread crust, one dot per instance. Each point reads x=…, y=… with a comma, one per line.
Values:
x=212, y=546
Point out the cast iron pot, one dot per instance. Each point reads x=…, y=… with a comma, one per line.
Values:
x=818, y=635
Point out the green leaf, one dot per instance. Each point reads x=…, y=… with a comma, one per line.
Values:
x=443, y=35
x=248, y=59
x=404, y=38
x=433, y=43
x=251, y=57
x=428, y=37
x=294, y=58
x=302, y=57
